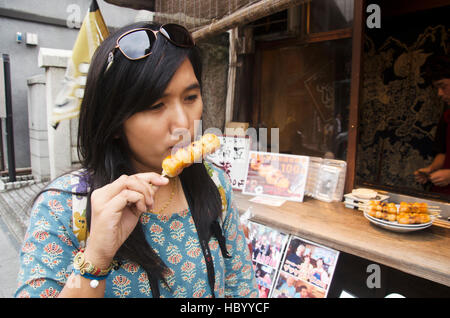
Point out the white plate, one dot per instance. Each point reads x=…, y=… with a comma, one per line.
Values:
x=396, y=227
x=395, y=223
x=365, y=193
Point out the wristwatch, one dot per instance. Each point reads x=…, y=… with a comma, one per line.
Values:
x=86, y=267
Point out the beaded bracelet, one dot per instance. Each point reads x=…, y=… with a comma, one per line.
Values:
x=94, y=280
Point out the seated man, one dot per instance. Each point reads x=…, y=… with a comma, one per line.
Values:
x=438, y=172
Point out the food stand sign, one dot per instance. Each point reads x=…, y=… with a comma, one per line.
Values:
x=232, y=156
x=276, y=175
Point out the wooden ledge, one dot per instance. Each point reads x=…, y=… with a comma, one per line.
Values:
x=424, y=253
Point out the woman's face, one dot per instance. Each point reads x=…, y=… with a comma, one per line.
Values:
x=300, y=250
x=319, y=263
x=152, y=133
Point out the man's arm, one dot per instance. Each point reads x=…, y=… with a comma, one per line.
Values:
x=422, y=175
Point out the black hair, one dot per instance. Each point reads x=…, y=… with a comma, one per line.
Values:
x=437, y=67
x=112, y=95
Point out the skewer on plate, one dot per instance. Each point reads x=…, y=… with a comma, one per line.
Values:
x=403, y=213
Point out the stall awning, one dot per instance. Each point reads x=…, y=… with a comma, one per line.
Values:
x=209, y=17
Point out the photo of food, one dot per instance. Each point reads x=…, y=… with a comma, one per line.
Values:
x=276, y=175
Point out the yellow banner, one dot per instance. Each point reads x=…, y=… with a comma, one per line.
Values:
x=92, y=32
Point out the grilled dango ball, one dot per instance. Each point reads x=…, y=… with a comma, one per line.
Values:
x=184, y=157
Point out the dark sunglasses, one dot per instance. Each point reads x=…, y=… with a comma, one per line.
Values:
x=137, y=44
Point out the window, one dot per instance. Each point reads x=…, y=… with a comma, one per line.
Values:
x=305, y=92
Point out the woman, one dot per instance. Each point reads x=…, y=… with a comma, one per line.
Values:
x=305, y=268
x=117, y=228
x=319, y=275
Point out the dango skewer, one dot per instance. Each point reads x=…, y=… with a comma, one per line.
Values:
x=184, y=157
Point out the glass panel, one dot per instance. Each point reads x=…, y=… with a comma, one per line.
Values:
x=399, y=107
x=328, y=15
x=305, y=92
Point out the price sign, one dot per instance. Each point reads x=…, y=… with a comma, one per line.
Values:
x=233, y=157
x=276, y=175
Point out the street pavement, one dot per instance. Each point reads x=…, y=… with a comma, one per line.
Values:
x=9, y=261
x=14, y=215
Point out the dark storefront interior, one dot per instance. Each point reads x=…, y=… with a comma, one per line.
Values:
x=298, y=78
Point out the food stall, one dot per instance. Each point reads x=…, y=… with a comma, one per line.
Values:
x=340, y=89
x=316, y=90
x=282, y=199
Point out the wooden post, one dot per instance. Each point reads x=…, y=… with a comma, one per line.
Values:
x=231, y=75
x=355, y=92
x=295, y=20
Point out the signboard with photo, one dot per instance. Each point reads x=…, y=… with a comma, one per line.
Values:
x=306, y=271
x=232, y=156
x=267, y=247
x=276, y=175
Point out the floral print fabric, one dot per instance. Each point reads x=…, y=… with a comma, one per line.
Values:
x=57, y=231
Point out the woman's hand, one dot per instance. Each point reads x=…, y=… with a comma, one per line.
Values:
x=440, y=178
x=115, y=211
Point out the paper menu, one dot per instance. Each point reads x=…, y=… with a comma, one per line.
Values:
x=232, y=156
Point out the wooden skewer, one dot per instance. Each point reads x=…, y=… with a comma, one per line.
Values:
x=442, y=223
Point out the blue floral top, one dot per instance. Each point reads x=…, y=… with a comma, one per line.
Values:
x=57, y=231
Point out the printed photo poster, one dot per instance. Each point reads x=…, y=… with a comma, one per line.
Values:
x=306, y=271
x=232, y=156
x=267, y=246
x=276, y=175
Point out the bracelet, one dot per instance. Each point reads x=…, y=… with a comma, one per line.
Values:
x=89, y=276
x=94, y=280
x=85, y=267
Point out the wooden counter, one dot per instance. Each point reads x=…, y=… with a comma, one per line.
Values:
x=424, y=253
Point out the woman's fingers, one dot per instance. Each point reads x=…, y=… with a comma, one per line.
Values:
x=153, y=178
x=141, y=182
x=127, y=198
x=136, y=184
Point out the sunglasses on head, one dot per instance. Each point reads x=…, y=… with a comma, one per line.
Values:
x=137, y=44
